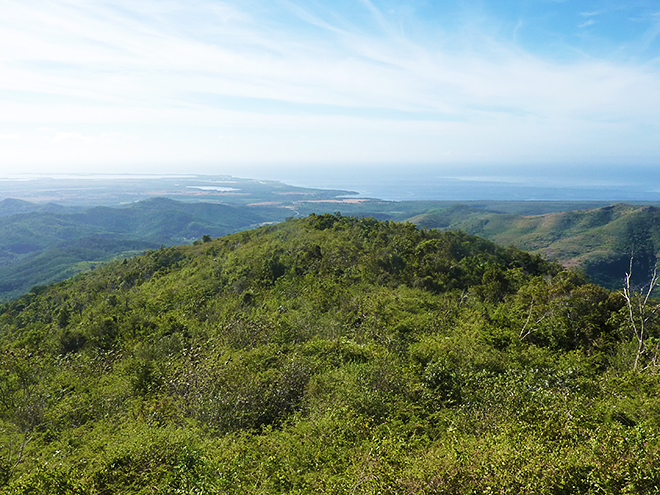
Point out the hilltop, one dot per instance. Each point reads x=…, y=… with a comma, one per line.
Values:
x=74, y=223
x=598, y=240
x=45, y=243
x=328, y=354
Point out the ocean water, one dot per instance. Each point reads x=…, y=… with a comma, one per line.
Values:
x=620, y=183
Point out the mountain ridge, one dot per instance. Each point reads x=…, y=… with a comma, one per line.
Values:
x=600, y=240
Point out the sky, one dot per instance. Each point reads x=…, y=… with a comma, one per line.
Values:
x=251, y=86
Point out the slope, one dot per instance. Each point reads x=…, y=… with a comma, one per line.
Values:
x=599, y=240
x=327, y=354
x=41, y=247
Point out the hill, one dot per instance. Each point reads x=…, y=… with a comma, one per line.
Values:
x=598, y=240
x=41, y=244
x=45, y=244
x=328, y=354
x=11, y=206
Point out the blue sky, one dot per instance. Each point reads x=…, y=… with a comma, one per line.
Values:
x=212, y=86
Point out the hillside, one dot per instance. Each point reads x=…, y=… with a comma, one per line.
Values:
x=44, y=243
x=328, y=355
x=11, y=206
x=599, y=240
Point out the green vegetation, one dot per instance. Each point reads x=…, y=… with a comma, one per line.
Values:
x=329, y=354
x=50, y=244
x=42, y=243
x=600, y=241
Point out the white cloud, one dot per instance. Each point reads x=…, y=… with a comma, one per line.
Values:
x=166, y=72
x=587, y=23
x=63, y=137
x=592, y=13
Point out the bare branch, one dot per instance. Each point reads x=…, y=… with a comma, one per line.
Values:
x=524, y=334
x=639, y=303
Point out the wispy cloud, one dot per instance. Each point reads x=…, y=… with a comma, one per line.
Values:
x=588, y=23
x=61, y=137
x=652, y=33
x=592, y=13
x=267, y=72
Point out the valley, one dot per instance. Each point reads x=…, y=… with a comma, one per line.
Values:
x=43, y=242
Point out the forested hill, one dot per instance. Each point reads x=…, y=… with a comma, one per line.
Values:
x=41, y=244
x=45, y=243
x=598, y=240
x=329, y=355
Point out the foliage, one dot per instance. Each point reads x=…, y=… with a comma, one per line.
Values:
x=41, y=247
x=327, y=354
x=597, y=240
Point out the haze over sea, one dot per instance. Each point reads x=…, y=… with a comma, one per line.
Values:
x=559, y=183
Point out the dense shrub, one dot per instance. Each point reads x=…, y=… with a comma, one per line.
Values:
x=327, y=354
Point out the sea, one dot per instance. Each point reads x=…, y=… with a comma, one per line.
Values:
x=573, y=182
x=534, y=183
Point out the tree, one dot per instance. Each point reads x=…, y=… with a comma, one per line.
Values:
x=640, y=313
x=22, y=400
